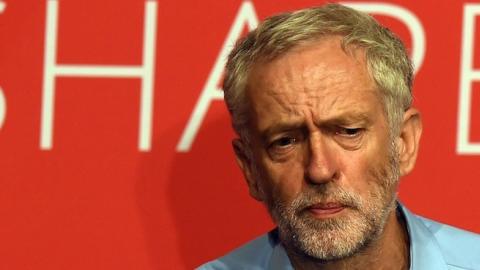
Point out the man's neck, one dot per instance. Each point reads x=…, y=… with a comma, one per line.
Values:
x=389, y=251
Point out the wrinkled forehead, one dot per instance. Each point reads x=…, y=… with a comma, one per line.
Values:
x=317, y=83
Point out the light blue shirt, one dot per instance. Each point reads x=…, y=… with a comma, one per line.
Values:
x=433, y=246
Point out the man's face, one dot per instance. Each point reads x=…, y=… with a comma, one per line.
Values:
x=322, y=158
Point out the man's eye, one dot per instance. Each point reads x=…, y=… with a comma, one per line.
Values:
x=349, y=132
x=283, y=142
x=281, y=147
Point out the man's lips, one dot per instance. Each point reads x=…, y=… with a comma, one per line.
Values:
x=326, y=210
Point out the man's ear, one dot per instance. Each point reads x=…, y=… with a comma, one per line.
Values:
x=408, y=140
x=245, y=163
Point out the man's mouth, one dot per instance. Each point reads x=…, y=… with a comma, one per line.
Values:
x=326, y=210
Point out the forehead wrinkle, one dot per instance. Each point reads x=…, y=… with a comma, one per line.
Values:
x=286, y=101
x=289, y=93
x=315, y=95
x=309, y=97
x=347, y=113
x=301, y=87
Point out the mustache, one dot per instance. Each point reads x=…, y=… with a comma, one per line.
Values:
x=327, y=193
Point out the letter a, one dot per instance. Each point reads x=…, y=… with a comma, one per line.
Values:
x=3, y=5
x=246, y=15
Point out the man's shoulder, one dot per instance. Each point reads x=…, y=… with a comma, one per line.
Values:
x=460, y=248
x=252, y=255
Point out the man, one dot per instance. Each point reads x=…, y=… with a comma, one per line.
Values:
x=321, y=101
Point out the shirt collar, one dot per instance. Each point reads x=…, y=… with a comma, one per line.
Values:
x=279, y=259
x=425, y=253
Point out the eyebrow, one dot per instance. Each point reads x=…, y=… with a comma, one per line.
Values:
x=348, y=118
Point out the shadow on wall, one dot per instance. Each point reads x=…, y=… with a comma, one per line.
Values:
x=205, y=195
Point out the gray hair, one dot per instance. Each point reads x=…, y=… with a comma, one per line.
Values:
x=386, y=57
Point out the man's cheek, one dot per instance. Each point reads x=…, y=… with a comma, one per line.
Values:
x=357, y=173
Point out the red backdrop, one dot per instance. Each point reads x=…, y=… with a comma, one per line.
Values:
x=115, y=146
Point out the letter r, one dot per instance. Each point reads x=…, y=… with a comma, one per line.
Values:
x=411, y=21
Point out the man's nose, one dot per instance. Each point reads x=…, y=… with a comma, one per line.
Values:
x=321, y=161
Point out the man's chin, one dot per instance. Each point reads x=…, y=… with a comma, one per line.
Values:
x=327, y=239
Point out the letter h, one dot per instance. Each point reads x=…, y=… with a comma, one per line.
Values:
x=145, y=72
